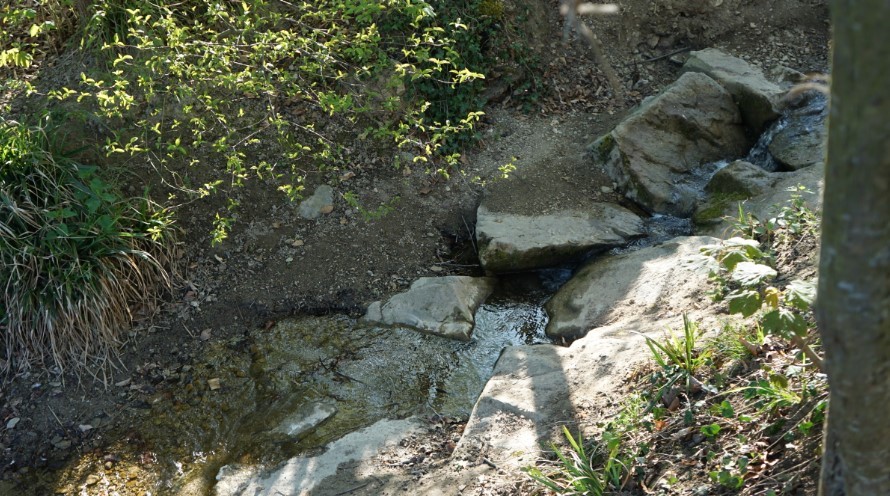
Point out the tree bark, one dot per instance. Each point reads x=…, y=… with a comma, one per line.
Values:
x=853, y=306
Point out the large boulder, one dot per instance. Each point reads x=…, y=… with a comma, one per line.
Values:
x=511, y=242
x=654, y=154
x=535, y=390
x=756, y=96
x=444, y=306
x=649, y=282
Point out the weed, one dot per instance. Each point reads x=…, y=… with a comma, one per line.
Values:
x=582, y=472
x=678, y=357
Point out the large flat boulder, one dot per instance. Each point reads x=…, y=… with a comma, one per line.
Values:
x=654, y=154
x=509, y=242
x=444, y=306
x=649, y=282
x=756, y=96
x=535, y=390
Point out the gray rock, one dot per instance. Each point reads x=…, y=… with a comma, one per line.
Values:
x=444, y=306
x=801, y=143
x=654, y=280
x=301, y=475
x=322, y=201
x=510, y=242
x=535, y=390
x=756, y=96
x=741, y=177
x=654, y=153
x=770, y=202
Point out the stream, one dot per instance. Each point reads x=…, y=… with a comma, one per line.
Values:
x=291, y=390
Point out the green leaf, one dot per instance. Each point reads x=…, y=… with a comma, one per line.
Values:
x=746, y=302
x=801, y=294
x=750, y=247
x=783, y=322
x=725, y=409
x=732, y=258
x=710, y=430
x=751, y=274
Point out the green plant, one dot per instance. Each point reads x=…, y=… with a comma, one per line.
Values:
x=77, y=257
x=207, y=83
x=731, y=473
x=772, y=393
x=381, y=211
x=795, y=218
x=744, y=267
x=677, y=357
x=582, y=472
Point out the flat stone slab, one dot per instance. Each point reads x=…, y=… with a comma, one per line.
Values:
x=657, y=279
x=444, y=306
x=510, y=242
x=301, y=475
x=535, y=390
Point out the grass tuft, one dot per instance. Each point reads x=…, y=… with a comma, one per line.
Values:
x=77, y=258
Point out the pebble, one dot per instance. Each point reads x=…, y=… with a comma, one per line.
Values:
x=12, y=422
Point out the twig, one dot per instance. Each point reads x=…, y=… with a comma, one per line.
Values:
x=470, y=233
x=489, y=463
x=805, y=348
x=57, y=418
x=596, y=47
x=356, y=488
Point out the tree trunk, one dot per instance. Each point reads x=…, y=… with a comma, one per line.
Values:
x=853, y=308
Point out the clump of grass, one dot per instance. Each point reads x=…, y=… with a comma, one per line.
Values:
x=77, y=258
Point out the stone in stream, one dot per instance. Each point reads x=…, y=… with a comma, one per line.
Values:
x=801, y=143
x=444, y=306
x=305, y=419
x=655, y=281
x=741, y=177
x=511, y=242
x=756, y=96
x=807, y=183
x=653, y=155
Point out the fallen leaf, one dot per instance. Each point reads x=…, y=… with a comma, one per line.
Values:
x=213, y=383
x=205, y=334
